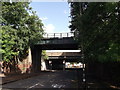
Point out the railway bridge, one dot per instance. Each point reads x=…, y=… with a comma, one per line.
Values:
x=53, y=41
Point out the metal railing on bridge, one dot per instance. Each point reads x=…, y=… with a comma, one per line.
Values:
x=57, y=38
x=58, y=35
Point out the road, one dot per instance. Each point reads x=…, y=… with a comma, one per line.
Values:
x=69, y=79
x=56, y=79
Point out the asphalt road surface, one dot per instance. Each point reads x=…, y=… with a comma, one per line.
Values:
x=56, y=79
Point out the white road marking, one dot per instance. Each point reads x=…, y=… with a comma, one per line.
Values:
x=57, y=86
x=33, y=86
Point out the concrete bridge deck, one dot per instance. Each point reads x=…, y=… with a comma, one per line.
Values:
x=58, y=41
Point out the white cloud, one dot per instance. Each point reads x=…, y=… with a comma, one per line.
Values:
x=65, y=12
x=49, y=28
x=44, y=18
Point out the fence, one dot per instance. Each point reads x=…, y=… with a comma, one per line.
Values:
x=58, y=35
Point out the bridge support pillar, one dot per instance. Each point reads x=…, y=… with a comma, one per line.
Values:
x=36, y=59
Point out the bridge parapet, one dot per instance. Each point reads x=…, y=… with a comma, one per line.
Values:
x=58, y=35
x=67, y=40
x=58, y=41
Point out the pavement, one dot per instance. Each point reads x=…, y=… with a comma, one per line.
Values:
x=15, y=77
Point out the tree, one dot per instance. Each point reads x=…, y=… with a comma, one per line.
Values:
x=8, y=41
x=21, y=28
x=45, y=56
x=97, y=28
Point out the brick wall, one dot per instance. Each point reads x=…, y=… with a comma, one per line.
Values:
x=25, y=65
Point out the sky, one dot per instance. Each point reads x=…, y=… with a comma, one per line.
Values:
x=54, y=15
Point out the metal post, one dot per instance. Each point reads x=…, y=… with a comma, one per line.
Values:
x=82, y=51
x=47, y=35
x=67, y=34
x=60, y=35
x=54, y=35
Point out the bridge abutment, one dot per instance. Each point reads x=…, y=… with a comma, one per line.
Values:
x=36, y=59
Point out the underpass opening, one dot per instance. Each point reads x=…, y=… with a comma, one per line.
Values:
x=59, y=59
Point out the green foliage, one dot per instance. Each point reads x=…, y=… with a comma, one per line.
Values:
x=8, y=41
x=45, y=57
x=21, y=28
x=111, y=54
x=97, y=28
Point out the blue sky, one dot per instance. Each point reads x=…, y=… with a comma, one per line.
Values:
x=54, y=15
